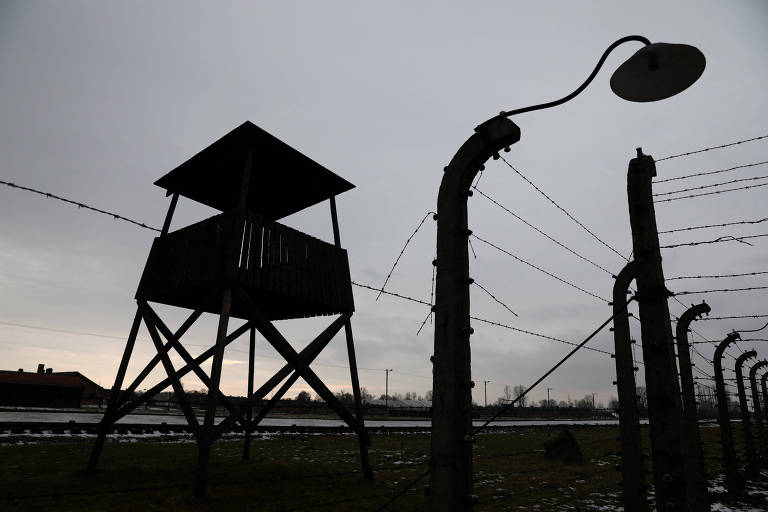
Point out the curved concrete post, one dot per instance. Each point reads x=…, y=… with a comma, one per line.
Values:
x=450, y=487
x=746, y=422
x=756, y=407
x=698, y=493
x=764, y=387
x=733, y=480
x=632, y=471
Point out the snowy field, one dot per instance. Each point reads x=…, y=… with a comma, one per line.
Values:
x=85, y=416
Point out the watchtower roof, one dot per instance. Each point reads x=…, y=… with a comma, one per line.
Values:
x=283, y=181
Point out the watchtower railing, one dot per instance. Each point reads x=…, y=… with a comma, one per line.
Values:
x=289, y=273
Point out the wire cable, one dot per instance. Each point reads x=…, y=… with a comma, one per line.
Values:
x=702, y=187
x=541, y=232
x=585, y=228
x=494, y=297
x=397, y=260
x=726, y=238
x=79, y=205
x=732, y=317
x=691, y=196
x=717, y=276
x=758, y=221
x=483, y=320
x=711, y=148
x=724, y=290
x=550, y=274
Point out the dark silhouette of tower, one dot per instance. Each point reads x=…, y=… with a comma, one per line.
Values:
x=242, y=264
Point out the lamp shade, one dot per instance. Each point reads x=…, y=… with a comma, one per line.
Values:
x=658, y=71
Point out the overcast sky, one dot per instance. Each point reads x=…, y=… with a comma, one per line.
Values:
x=99, y=99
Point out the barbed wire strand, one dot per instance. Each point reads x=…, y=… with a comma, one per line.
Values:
x=702, y=187
x=432, y=288
x=494, y=297
x=550, y=274
x=735, y=223
x=733, y=317
x=79, y=205
x=494, y=201
x=711, y=148
x=704, y=338
x=429, y=315
x=397, y=260
x=716, y=276
x=580, y=224
x=723, y=290
x=753, y=330
x=393, y=294
x=722, y=239
x=483, y=320
x=691, y=196
x=522, y=395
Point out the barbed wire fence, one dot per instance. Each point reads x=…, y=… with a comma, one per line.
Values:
x=576, y=491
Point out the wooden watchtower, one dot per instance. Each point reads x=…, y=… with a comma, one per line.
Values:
x=242, y=264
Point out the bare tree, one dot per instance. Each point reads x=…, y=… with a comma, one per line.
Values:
x=365, y=395
x=518, y=392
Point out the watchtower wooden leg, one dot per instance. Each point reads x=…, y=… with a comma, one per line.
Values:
x=172, y=375
x=251, y=355
x=363, y=434
x=205, y=439
x=114, y=396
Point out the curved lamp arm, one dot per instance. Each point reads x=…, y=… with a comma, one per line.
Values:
x=575, y=93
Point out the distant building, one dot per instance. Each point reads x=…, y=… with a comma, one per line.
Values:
x=45, y=388
x=399, y=407
x=397, y=403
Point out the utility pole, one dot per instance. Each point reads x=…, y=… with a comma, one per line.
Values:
x=593, y=401
x=386, y=387
x=485, y=386
x=664, y=406
x=733, y=480
x=548, y=402
x=694, y=458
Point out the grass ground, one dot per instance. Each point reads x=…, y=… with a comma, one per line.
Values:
x=305, y=472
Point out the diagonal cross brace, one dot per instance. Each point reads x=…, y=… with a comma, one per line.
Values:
x=136, y=402
x=273, y=336
x=191, y=319
x=151, y=315
x=273, y=401
x=126, y=394
x=308, y=354
x=175, y=382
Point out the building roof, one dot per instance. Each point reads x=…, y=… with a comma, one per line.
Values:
x=40, y=379
x=283, y=180
x=82, y=378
